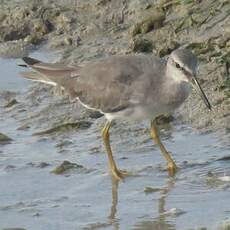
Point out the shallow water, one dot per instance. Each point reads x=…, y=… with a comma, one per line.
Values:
x=9, y=78
x=32, y=197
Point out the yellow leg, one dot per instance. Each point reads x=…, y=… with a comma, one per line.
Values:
x=118, y=174
x=172, y=168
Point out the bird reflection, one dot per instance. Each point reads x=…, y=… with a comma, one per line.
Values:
x=160, y=222
x=112, y=217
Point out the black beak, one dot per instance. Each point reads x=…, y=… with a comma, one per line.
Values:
x=200, y=91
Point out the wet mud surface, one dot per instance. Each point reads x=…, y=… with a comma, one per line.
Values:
x=53, y=166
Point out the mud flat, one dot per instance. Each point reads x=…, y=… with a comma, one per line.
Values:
x=86, y=30
x=53, y=168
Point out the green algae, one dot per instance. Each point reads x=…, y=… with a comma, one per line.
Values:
x=11, y=103
x=66, y=166
x=148, y=190
x=4, y=139
x=65, y=127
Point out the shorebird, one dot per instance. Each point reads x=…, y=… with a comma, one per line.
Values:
x=129, y=87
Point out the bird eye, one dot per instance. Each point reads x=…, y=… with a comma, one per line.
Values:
x=178, y=66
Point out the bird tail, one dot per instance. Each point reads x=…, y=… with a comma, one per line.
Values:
x=51, y=73
x=35, y=76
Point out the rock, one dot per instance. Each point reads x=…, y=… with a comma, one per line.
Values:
x=63, y=143
x=65, y=166
x=148, y=190
x=173, y=212
x=65, y=127
x=4, y=139
x=153, y=22
x=11, y=103
x=142, y=45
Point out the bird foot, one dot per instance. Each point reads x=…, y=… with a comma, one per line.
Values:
x=172, y=168
x=120, y=174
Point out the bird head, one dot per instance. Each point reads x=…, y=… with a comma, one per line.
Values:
x=182, y=66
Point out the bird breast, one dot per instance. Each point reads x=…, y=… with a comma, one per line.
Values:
x=175, y=94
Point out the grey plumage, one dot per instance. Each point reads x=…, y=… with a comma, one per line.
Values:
x=119, y=83
x=132, y=87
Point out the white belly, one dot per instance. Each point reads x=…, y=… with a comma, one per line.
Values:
x=137, y=113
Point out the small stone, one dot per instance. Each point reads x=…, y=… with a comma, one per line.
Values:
x=65, y=166
x=36, y=214
x=11, y=103
x=174, y=212
x=148, y=190
x=142, y=45
x=63, y=143
x=155, y=21
x=65, y=127
x=4, y=139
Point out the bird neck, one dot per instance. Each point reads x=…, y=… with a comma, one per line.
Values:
x=175, y=91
